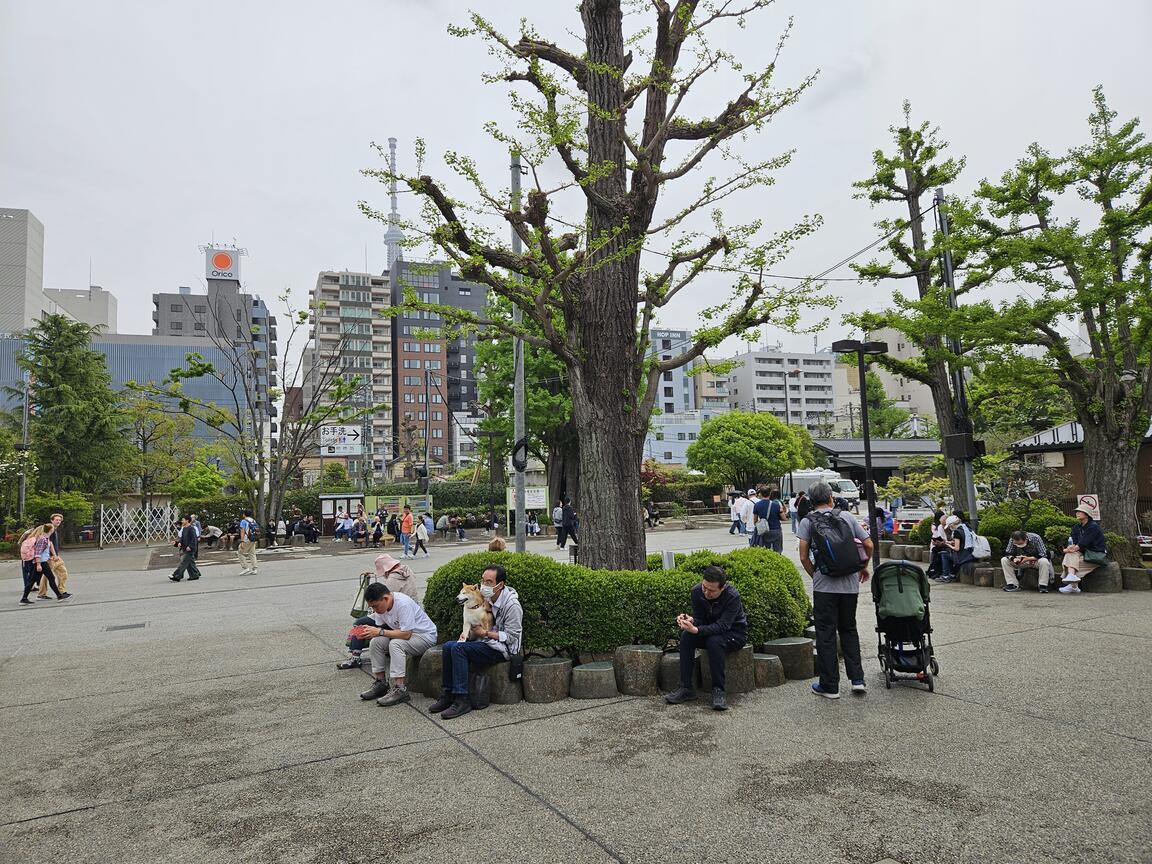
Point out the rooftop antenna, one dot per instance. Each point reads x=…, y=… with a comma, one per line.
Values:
x=393, y=237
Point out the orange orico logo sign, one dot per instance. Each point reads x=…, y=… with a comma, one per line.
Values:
x=222, y=261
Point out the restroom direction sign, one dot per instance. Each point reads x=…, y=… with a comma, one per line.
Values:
x=341, y=441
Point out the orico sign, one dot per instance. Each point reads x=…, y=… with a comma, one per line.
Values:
x=222, y=264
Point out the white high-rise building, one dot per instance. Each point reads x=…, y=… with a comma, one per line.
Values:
x=796, y=387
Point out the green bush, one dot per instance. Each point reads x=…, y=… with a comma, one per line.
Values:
x=656, y=562
x=921, y=534
x=9, y=548
x=76, y=508
x=1056, y=538
x=573, y=610
x=221, y=510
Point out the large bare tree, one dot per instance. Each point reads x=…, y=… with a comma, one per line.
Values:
x=607, y=111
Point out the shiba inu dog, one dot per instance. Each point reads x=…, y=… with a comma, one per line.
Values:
x=477, y=610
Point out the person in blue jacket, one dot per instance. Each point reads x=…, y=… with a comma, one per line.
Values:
x=1084, y=552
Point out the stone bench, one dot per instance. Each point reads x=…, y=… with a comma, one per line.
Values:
x=669, y=675
x=1136, y=579
x=769, y=670
x=637, y=669
x=795, y=653
x=1105, y=579
x=547, y=679
x=1028, y=577
x=886, y=548
x=897, y=551
x=594, y=681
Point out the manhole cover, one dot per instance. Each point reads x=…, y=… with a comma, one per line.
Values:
x=125, y=627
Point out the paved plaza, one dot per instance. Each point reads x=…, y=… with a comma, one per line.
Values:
x=146, y=721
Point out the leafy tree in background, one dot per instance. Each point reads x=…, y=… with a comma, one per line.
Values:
x=336, y=476
x=745, y=449
x=1013, y=396
x=885, y=420
x=1082, y=268
x=199, y=480
x=77, y=428
x=164, y=446
x=608, y=108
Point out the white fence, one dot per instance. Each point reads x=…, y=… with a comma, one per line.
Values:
x=124, y=524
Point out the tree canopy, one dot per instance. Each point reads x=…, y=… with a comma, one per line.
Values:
x=745, y=449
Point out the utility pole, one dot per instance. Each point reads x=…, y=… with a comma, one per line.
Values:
x=427, y=426
x=24, y=450
x=963, y=421
x=519, y=447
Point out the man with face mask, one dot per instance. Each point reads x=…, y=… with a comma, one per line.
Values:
x=484, y=646
x=1026, y=549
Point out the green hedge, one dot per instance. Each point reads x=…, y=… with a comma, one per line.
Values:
x=656, y=560
x=576, y=611
x=220, y=510
x=921, y=533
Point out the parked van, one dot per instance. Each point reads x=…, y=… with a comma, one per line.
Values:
x=796, y=481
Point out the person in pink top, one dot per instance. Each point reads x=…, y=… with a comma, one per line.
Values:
x=35, y=547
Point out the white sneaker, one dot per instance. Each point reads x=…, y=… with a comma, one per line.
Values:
x=1072, y=577
x=1069, y=589
x=245, y=573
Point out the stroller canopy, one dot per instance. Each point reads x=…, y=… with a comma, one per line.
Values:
x=900, y=590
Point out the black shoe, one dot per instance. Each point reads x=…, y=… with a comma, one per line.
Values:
x=680, y=695
x=456, y=709
x=1011, y=588
x=64, y=596
x=26, y=601
x=719, y=699
x=1043, y=589
x=445, y=701
x=193, y=578
x=174, y=578
x=375, y=691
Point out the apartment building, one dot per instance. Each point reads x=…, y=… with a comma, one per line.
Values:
x=796, y=387
x=676, y=393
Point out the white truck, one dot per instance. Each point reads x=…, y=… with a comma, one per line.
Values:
x=795, y=481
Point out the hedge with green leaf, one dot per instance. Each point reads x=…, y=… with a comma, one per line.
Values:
x=921, y=533
x=577, y=611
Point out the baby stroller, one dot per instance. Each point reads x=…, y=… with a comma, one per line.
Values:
x=900, y=590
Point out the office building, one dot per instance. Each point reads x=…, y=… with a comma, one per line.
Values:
x=906, y=392
x=710, y=390
x=676, y=393
x=796, y=387
x=93, y=305
x=22, y=300
x=669, y=435
x=225, y=315
x=351, y=336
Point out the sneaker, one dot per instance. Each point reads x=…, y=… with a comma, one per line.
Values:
x=41, y=596
x=177, y=578
x=1011, y=588
x=859, y=688
x=26, y=602
x=948, y=579
x=458, y=708
x=441, y=704
x=377, y=690
x=719, y=699
x=64, y=596
x=1069, y=589
x=680, y=695
x=820, y=691
x=395, y=696
x=1072, y=577
x=1043, y=589
x=245, y=573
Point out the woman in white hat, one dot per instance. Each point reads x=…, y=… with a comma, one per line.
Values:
x=1084, y=552
x=399, y=580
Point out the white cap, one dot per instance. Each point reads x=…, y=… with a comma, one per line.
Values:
x=751, y=491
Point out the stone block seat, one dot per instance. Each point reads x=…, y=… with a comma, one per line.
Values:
x=669, y=677
x=795, y=653
x=1105, y=579
x=547, y=679
x=739, y=672
x=594, y=681
x=637, y=669
x=1136, y=579
x=769, y=670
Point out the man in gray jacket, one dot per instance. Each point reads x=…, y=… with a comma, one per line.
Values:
x=483, y=646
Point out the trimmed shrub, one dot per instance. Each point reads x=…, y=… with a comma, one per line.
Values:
x=220, y=511
x=921, y=534
x=656, y=562
x=75, y=507
x=576, y=611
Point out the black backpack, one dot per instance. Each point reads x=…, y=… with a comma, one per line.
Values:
x=834, y=543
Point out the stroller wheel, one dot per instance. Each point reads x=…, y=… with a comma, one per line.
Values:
x=888, y=676
x=935, y=667
x=930, y=681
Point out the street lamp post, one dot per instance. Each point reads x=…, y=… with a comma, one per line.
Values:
x=855, y=346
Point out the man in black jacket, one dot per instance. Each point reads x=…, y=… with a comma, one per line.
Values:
x=718, y=625
x=188, y=544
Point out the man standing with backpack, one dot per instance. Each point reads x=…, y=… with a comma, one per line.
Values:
x=246, y=547
x=842, y=550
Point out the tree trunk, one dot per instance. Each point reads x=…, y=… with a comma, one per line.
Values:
x=1110, y=473
x=941, y=388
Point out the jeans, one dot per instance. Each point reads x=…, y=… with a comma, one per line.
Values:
x=716, y=645
x=794, y=522
x=406, y=540
x=457, y=656
x=187, y=565
x=32, y=578
x=836, y=613
x=774, y=539
x=358, y=645
x=951, y=561
x=737, y=527
x=340, y=533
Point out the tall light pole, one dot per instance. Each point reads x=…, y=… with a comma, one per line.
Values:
x=519, y=448
x=855, y=346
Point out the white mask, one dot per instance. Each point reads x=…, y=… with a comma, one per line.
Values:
x=486, y=591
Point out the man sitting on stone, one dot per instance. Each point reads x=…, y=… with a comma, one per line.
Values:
x=718, y=625
x=1026, y=549
x=482, y=646
x=401, y=629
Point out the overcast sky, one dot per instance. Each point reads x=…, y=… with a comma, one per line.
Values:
x=137, y=130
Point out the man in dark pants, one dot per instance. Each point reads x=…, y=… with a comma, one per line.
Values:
x=834, y=599
x=718, y=625
x=482, y=646
x=570, y=522
x=188, y=547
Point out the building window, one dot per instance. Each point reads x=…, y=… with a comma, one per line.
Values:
x=432, y=364
x=199, y=309
x=437, y=451
x=668, y=455
x=437, y=433
x=667, y=392
x=669, y=408
x=667, y=376
x=680, y=436
x=659, y=436
x=408, y=397
x=436, y=399
x=431, y=348
x=199, y=325
x=666, y=344
x=177, y=325
x=437, y=415
x=691, y=436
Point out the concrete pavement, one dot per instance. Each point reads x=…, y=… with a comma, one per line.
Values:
x=153, y=722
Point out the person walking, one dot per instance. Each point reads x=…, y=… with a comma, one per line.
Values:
x=558, y=524
x=406, y=532
x=735, y=514
x=188, y=545
x=797, y=515
x=842, y=550
x=55, y=563
x=246, y=547
x=35, y=549
x=421, y=538
x=570, y=522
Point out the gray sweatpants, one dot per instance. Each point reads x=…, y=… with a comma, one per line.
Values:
x=382, y=649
